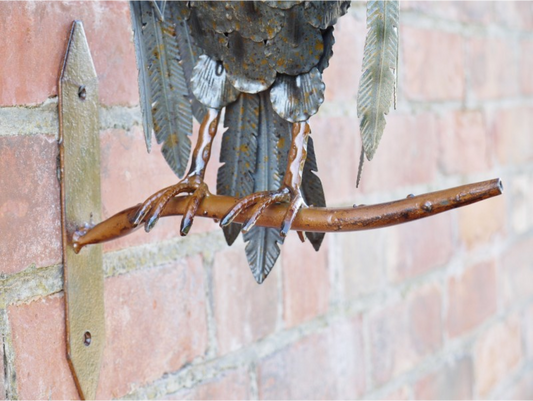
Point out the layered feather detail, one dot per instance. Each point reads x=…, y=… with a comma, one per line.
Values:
x=273, y=134
x=312, y=190
x=163, y=85
x=378, y=82
x=238, y=153
x=254, y=149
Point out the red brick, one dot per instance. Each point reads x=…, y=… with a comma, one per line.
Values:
x=472, y=298
x=521, y=198
x=155, y=323
x=323, y=366
x=493, y=68
x=402, y=393
x=421, y=246
x=464, y=143
x=433, y=65
x=526, y=66
x=521, y=390
x=29, y=202
x=234, y=385
x=479, y=12
x=303, y=265
x=363, y=255
x=336, y=153
x=512, y=129
x=450, y=382
x=496, y=353
x=35, y=34
x=517, y=272
x=407, y=154
x=344, y=71
x=516, y=15
x=482, y=222
x=38, y=331
x=244, y=311
x=129, y=176
x=528, y=317
x=403, y=333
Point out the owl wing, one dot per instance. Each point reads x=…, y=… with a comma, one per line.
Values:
x=166, y=56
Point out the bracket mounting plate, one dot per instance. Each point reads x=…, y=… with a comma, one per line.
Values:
x=79, y=152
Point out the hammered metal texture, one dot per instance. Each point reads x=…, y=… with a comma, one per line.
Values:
x=298, y=47
x=329, y=41
x=80, y=198
x=323, y=14
x=295, y=99
x=210, y=84
x=283, y=5
x=246, y=66
x=256, y=21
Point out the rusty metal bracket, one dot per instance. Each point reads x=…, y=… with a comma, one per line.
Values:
x=79, y=151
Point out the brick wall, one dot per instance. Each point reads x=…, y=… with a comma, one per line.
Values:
x=441, y=307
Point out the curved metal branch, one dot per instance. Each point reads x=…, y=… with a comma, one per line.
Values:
x=310, y=219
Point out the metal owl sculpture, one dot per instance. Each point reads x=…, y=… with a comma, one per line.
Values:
x=263, y=62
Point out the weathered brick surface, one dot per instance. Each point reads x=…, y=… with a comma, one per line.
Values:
x=512, y=127
x=38, y=331
x=517, y=271
x=244, y=311
x=526, y=66
x=155, y=323
x=364, y=256
x=435, y=61
x=129, y=175
x=493, y=68
x=450, y=382
x=29, y=202
x=349, y=33
x=306, y=287
x=496, y=353
x=472, y=298
x=482, y=222
x=403, y=333
x=35, y=35
x=233, y=385
x=406, y=156
x=322, y=366
x=464, y=143
x=421, y=246
x=439, y=308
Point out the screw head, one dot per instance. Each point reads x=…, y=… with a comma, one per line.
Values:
x=82, y=92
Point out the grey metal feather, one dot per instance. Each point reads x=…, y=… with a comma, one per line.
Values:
x=312, y=190
x=163, y=87
x=238, y=153
x=189, y=54
x=377, y=85
x=273, y=134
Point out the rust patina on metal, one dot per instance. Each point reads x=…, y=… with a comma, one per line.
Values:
x=310, y=219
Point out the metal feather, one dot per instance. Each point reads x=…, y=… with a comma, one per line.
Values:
x=238, y=153
x=378, y=81
x=312, y=190
x=262, y=248
x=189, y=54
x=163, y=87
x=145, y=94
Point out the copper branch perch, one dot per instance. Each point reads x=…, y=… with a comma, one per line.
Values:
x=308, y=219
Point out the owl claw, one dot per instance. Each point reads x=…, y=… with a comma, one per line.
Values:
x=259, y=201
x=150, y=211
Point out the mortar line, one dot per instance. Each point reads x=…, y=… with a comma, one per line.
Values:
x=10, y=375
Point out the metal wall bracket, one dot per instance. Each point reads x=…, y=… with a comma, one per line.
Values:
x=79, y=150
